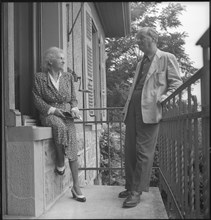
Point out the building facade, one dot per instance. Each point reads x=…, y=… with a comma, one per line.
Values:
x=29, y=184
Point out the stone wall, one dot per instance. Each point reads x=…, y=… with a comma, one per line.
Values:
x=54, y=185
x=32, y=185
x=91, y=158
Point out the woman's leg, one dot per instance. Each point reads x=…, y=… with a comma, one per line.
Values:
x=74, y=171
x=59, y=134
x=59, y=155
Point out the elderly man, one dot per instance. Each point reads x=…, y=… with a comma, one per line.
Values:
x=157, y=76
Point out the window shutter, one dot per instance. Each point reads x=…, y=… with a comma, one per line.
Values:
x=103, y=79
x=88, y=67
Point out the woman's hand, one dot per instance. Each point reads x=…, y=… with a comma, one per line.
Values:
x=59, y=113
x=76, y=113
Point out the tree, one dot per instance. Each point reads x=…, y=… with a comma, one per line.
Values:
x=122, y=59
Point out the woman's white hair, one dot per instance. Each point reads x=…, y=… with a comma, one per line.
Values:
x=48, y=56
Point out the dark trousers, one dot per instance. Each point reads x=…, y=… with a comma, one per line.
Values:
x=140, y=142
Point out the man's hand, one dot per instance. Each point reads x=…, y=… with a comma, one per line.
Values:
x=59, y=113
x=162, y=98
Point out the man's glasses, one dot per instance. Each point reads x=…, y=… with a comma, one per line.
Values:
x=142, y=39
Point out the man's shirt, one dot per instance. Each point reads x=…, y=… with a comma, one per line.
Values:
x=145, y=65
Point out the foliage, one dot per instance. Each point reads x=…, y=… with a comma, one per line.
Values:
x=111, y=154
x=122, y=59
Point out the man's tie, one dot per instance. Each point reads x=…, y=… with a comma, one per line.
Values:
x=141, y=69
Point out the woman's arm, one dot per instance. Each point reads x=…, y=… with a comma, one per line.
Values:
x=39, y=103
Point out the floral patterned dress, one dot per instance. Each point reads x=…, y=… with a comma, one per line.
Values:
x=45, y=95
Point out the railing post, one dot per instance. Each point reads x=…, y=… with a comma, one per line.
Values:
x=205, y=102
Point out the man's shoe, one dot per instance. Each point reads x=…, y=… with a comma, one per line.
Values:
x=124, y=194
x=132, y=200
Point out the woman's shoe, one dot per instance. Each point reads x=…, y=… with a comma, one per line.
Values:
x=59, y=172
x=80, y=198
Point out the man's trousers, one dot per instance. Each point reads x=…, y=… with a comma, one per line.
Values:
x=140, y=143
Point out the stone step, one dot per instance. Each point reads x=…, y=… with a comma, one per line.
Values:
x=103, y=202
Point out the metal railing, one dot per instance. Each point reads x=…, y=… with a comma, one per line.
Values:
x=103, y=142
x=183, y=146
x=114, y=128
x=184, y=149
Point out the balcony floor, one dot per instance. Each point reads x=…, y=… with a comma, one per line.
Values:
x=103, y=202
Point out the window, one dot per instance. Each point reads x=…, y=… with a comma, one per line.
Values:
x=103, y=78
x=88, y=64
x=26, y=56
x=94, y=68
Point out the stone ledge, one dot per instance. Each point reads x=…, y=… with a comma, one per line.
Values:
x=28, y=133
x=17, y=217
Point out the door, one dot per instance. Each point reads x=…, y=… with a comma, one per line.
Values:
x=27, y=58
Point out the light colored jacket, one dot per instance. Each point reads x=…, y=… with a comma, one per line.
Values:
x=162, y=79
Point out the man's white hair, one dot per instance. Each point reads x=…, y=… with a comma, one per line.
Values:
x=151, y=32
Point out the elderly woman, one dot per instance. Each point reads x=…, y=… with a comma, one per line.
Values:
x=54, y=94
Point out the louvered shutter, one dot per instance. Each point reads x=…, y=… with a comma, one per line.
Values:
x=103, y=78
x=88, y=68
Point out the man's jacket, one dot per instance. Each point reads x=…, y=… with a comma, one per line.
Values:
x=162, y=79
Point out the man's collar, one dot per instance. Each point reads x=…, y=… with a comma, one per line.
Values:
x=150, y=57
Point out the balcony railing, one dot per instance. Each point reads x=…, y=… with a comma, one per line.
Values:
x=183, y=146
x=111, y=160
x=103, y=143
